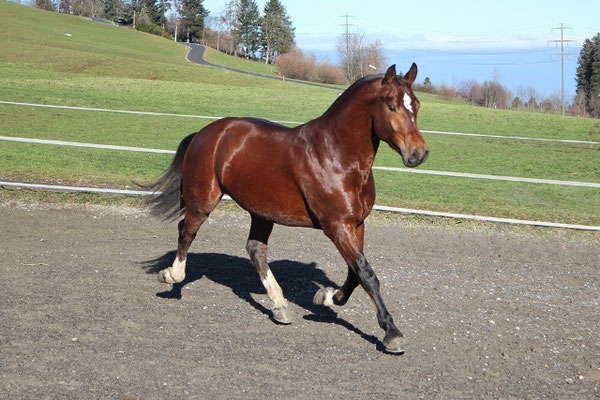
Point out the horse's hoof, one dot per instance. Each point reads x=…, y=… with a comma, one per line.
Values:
x=165, y=276
x=280, y=315
x=324, y=297
x=394, y=345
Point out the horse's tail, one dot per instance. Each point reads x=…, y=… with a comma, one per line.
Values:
x=167, y=200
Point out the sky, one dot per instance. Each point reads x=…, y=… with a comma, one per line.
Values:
x=455, y=41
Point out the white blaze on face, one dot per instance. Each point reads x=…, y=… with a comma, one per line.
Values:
x=408, y=103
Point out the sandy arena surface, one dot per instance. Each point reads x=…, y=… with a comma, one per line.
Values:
x=488, y=312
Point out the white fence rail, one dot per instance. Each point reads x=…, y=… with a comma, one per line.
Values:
x=376, y=207
x=405, y=170
x=288, y=122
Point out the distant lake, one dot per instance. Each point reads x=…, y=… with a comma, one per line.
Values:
x=538, y=68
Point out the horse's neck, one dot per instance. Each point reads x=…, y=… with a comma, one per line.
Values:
x=347, y=131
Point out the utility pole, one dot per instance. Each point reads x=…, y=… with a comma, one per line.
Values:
x=347, y=35
x=562, y=54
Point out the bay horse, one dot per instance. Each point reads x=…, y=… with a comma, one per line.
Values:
x=315, y=175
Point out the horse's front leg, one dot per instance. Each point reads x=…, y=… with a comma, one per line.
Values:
x=346, y=239
x=329, y=296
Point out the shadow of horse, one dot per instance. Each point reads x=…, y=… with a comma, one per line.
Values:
x=299, y=282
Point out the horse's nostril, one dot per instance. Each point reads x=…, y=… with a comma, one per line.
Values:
x=414, y=156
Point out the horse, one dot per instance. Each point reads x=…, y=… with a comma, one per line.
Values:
x=316, y=175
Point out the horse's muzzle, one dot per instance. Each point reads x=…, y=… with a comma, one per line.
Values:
x=417, y=157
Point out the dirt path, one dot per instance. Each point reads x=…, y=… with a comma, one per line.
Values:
x=486, y=313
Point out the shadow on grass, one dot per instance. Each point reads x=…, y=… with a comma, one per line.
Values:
x=299, y=282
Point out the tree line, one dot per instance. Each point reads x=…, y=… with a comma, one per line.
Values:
x=146, y=15
x=493, y=94
x=242, y=30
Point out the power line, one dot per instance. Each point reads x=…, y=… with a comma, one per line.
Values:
x=562, y=54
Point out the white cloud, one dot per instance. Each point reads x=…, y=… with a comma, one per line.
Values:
x=465, y=41
x=436, y=41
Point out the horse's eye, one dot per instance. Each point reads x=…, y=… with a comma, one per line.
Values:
x=392, y=107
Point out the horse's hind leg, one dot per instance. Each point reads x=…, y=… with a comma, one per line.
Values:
x=260, y=230
x=188, y=227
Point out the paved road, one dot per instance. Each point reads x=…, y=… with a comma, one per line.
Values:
x=101, y=20
x=196, y=55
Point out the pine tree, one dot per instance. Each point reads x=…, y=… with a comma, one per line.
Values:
x=247, y=28
x=163, y=6
x=131, y=11
x=192, y=16
x=150, y=9
x=113, y=9
x=277, y=32
x=588, y=76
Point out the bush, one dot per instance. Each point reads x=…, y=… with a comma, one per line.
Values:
x=447, y=92
x=495, y=95
x=148, y=28
x=517, y=103
x=425, y=87
x=328, y=73
x=295, y=65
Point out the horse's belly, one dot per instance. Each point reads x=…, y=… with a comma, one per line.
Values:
x=273, y=205
x=253, y=166
x=267, y=190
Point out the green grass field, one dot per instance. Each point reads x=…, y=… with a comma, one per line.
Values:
x=216, y=57
x=112, y=67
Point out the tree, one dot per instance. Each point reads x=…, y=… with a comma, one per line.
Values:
x=277, y=32
x=163, y=7
x=150, y=12
x=65, y=6
x=516, y=103
x=113, y=9
x=192, y=14
x=228, y=20
x=132, y=12
x=88, y=8
x=495, y=95
x=588, y=76
x=246, y=31
x=45, y=5
x=359, y=58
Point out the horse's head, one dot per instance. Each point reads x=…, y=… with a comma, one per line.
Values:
x=395, y=117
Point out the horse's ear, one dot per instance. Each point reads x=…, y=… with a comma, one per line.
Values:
x=390, y=75
x=411, y=75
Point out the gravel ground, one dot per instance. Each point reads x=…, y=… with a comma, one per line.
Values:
x=487, y=312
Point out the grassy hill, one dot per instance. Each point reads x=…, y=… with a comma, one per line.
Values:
x=97, y=65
